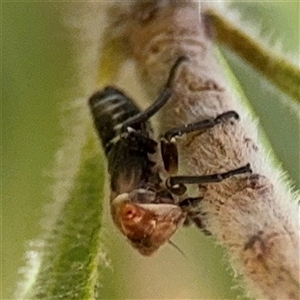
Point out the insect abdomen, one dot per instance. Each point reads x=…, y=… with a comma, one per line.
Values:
x=110, y=108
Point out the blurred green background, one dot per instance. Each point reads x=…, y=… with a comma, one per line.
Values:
x=39, y=76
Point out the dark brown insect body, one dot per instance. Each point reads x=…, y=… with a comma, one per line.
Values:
x=135, y=185
x=146, y=209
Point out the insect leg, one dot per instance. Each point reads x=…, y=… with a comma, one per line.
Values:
x=194, y=214
x=168, y=141
x=190, y=202
x=177, y=183
x=195, y=126
x=159, y=102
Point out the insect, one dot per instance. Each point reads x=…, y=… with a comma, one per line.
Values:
x=147, y=209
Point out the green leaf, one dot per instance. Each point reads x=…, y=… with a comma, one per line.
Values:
x=277, y=69
x=71, y=253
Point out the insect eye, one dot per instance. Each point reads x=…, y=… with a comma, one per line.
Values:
x=130, y=212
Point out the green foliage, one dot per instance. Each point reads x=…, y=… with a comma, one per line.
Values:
x=282, y=73
x=72, y=249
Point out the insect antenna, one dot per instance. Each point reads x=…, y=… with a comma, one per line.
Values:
x=178, y=249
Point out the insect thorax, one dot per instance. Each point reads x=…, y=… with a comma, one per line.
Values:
x=127, y=149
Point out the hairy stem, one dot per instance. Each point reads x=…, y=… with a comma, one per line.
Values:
x=254, y=217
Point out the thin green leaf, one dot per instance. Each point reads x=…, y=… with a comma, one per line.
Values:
x=277, y=69
x=71, y=254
